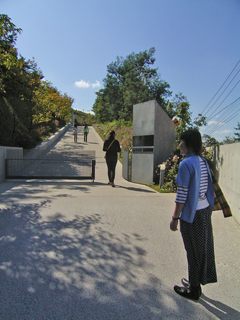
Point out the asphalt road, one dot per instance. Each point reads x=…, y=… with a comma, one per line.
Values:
x=83, y=250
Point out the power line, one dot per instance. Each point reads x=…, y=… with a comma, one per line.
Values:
x=220, y=88
x=225, y=97
x=226, y=112
x=221, y=122
x=217, y=126
x=225, y=107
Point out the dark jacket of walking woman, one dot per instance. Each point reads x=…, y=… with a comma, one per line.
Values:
x=112, y=147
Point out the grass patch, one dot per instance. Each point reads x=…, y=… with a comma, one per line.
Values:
x=156, y=188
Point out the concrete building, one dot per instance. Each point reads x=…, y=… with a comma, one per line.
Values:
x=153, y=141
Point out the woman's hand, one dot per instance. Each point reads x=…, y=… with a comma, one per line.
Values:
x=173, y=225
x=176, y=214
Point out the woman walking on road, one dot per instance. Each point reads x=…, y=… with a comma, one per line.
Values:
x=112, y=147
x=194, y=204
x=85, y=132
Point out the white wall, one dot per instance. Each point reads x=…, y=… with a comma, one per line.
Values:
x=227, y=172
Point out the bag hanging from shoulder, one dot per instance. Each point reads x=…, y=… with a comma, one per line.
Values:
x=105, y=156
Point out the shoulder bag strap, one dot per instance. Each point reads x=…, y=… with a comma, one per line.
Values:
x=110, y=145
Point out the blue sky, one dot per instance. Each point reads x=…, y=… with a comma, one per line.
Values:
x=197, y=46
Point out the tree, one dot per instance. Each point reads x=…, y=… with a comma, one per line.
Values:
x=209, y=141
x=228, y=140
x=50, y=104
x=179, y=107
x=8, y=33
x=8, y=54
x=129, y=81
x=237, y=134
x=25, y=101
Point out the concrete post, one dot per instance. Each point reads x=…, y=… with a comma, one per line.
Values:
x=161, y=178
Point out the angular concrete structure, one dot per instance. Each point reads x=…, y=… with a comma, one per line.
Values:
x=154, y=139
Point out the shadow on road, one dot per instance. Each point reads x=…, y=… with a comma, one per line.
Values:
x=74, y=269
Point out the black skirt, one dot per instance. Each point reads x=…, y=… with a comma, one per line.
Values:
x=198, y=242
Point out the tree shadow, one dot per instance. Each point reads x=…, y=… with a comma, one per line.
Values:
x=36, y=190
x=74, y=269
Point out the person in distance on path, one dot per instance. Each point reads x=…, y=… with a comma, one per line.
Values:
x=75, y=132
x=194, y=204
x=112, y=147
x=85, y=132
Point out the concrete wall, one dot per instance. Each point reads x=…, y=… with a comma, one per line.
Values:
x=142, y=170
x=18, y=153
x=227, y=172
x=165, y=135
x=8, y=153
x=144, y=118
x=43, y=147
x=125, y=165
x=2, y=164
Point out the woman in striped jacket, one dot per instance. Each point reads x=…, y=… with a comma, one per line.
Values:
x=193, y=206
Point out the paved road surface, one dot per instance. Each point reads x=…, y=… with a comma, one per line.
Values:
x=82, y=250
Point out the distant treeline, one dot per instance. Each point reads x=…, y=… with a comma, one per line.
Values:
x=82, y=118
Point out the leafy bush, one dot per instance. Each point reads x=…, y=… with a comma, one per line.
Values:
x=170, y=174
x=171, y=170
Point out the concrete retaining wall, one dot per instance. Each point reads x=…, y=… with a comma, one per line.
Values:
x=227, y=172
x=39, y=150
x=19, y=153
x=8, y=153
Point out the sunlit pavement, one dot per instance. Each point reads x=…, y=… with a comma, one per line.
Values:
x=84, y=250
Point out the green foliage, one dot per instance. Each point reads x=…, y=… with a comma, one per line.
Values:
x=156, y=188
x=170, y=174
x=26, y=101
x=171, y=169
x=129, y=81
x=237, y=134
x=208, y=155
x=8, y=32
x=209, y=141
x=82, y=118
x=179, y=108
x=123, y=131
x=228, y=140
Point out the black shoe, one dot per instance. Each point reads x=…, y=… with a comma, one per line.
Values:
x=186, y=284
x=193, y=293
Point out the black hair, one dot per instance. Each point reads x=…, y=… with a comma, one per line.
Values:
x=112, y=134
x=193, y=140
